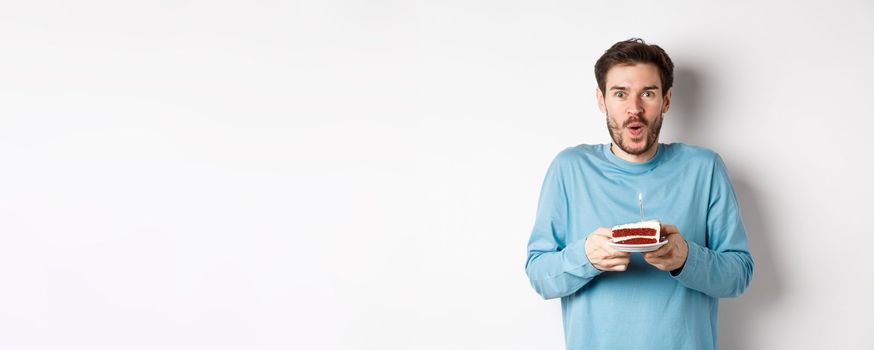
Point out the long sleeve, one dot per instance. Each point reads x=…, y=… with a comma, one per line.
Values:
x=556, y=268
x=723, y=267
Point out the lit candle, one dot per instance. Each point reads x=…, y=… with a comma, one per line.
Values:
x=640, y=201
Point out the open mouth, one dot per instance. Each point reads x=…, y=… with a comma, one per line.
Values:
x=636, y=129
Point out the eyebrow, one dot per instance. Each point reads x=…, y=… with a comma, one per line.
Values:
x=622, y=88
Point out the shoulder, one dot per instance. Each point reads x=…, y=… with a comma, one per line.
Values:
x=693, y=154
x=575, y=157
x=578, y=153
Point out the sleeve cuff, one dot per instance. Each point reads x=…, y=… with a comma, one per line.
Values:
x=693, y=264
x=575, y=262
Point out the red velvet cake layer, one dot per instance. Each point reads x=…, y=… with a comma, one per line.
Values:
x=625, y=232
x=638, y=241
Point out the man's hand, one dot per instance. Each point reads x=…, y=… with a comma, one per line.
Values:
x=670, y=256
x=602, y=256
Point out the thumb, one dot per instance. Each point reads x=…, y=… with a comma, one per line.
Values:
x=669, y=229
x=601, y=232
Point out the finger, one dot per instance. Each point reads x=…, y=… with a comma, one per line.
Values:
x=670, y=229
x=672, y=236
x=611, y=252
x=659, y=263
x=624, y=255
x=662, y=267
x=610, y=257
x=662, y=251
x=650, y=256
x=603, y=232
x=656, y=260
x=614, y=263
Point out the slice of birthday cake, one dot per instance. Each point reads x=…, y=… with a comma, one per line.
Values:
x=645, y=232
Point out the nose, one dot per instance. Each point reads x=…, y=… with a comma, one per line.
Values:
x=634, y=107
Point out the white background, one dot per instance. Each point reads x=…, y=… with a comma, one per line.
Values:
x=364, y=175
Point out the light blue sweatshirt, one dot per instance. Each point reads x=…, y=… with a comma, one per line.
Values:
x=587, y=187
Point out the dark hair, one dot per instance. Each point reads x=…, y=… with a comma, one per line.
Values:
x=633, y=51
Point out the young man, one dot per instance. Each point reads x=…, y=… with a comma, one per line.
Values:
x=662, y=299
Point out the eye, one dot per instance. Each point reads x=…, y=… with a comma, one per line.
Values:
x=648, y=94
x=619, y=94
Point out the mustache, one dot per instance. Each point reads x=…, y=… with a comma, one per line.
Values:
x=635, y=120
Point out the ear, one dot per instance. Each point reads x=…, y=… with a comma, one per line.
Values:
x=667, y=98
x=600, y=96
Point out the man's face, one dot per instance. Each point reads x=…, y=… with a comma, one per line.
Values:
x=634, y=104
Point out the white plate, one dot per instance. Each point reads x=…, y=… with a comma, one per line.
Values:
x=637, y=248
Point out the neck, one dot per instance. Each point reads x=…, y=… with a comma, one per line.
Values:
x=641, y=158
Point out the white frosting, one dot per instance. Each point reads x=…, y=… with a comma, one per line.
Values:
x=653, y=224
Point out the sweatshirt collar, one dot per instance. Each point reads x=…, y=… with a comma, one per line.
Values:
x=634, y=167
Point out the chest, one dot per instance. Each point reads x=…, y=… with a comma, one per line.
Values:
x=678, y=196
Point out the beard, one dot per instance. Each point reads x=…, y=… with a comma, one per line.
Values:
x=652, y=134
